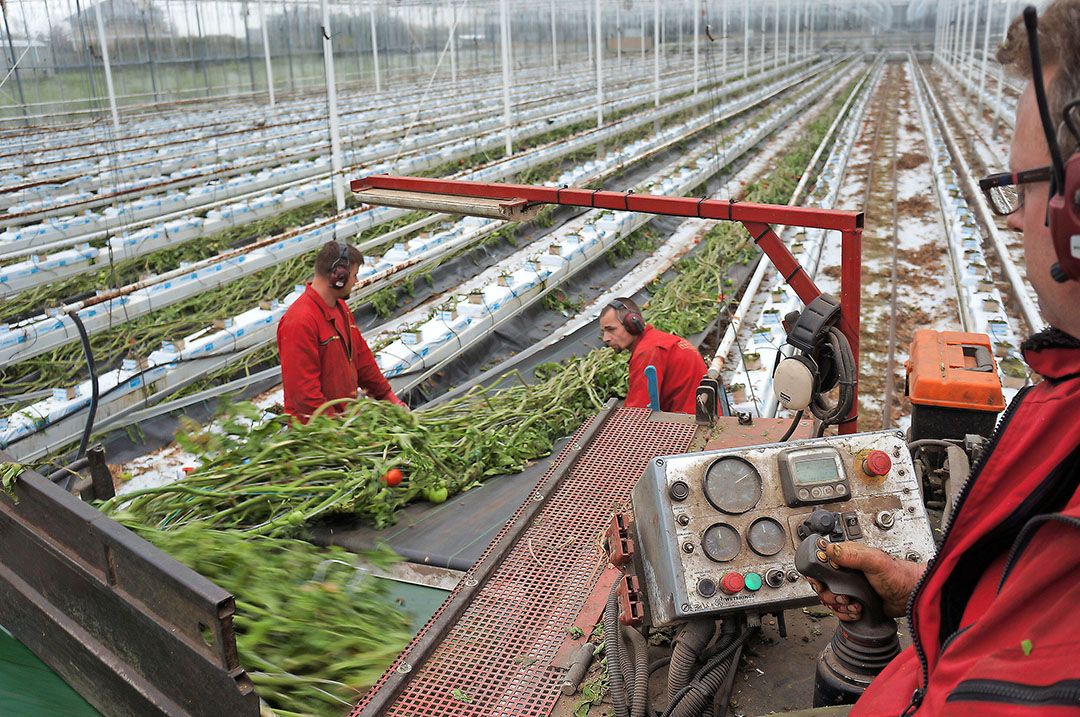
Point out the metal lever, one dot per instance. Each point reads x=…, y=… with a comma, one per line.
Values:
x=860, y=649
x=812, y=561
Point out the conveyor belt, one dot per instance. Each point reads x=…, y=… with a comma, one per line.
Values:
x=489, y=649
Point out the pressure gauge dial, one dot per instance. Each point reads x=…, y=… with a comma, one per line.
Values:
x=721, y=542
x=766, y=536
x=732, y=485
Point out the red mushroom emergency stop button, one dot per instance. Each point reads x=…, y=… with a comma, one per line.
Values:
x=877, y=463
x=732, y=583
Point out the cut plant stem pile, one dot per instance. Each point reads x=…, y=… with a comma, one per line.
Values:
x=311, y=635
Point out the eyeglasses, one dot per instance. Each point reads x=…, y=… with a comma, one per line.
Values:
x=1004, y=192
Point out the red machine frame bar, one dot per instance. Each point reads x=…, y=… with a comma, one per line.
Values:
x=757, y=218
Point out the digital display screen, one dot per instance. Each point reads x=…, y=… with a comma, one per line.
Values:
x=814, y=471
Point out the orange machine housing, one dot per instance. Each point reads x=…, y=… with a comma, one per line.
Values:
x=953, y=384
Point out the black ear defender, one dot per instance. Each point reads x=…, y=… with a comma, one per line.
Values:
x=339, y=270
x=1063, y=208
x=801, y=380
x=631, y=320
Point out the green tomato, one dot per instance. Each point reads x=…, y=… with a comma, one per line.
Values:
x=436, y=494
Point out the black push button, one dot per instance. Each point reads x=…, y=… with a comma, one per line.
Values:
x=851, y=525
x=706, y=588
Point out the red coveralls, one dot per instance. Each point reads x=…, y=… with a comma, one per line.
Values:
x=679, y=369
x=996, y=619
x=324, y=357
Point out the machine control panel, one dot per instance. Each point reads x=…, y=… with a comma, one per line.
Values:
x=716, y=531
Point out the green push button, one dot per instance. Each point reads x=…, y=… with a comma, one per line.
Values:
x=753, y=582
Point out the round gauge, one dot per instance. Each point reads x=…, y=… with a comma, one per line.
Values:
x=721, y=542
x=732, y=485
x=766, y=536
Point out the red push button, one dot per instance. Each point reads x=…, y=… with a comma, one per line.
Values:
x=877, y=463
x=732, y=583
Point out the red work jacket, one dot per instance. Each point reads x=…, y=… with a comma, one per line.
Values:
x=324, y=357
x=995, y=620
x=679, y=369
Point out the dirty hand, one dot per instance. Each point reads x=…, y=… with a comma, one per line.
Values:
x=894, y=580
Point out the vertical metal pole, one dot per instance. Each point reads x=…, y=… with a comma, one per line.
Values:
x=266, y=54
x=776, y=33
x=986, y=52
x=798, y=23
x=1001, y=69
x=787, y=33
x=149, y=55
x=589, y=34
x=554, y=43
x=679, y=24
x=14, y=58
x=108, y=68
x=970, y=73
x=336, y=178
x=656, y=51
x=850, y=306
x=202, y=46
x=375, y=48
x=694, y=39
x=288, y=46
x=504, y=33
x=723, y=43
x=641, y=13
x=746, y=39
x=962, y=44
x=599, y=71
x=453, y=43
x=761, y=40
x=245, y=8
x=618, y=35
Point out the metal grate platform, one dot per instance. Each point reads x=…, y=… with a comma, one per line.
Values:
x=496, y=658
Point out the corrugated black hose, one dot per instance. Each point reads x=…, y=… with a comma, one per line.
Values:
x=693, y=699
x=614, y=658
x=639, y=692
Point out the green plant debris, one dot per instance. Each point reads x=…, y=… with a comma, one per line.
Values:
x=311, y=635
x=461, y=695
x=9, y=473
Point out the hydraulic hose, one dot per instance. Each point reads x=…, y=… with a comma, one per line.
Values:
x=845, y=368
x=639, y=692
x=74, y=316
x=692, y=639
x=693, y=699
x=614, y=658
x=626, y=665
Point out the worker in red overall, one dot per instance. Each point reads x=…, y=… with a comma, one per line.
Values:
x=995, y=617
x=679, y=366
x=323, y=356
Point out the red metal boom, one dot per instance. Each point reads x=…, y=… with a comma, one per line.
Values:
x=757, y=218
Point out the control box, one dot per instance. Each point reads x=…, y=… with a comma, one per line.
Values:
x=716, y=532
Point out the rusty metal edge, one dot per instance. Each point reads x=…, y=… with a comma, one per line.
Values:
x=458, y=601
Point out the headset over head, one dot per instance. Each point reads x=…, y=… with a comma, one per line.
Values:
x=629, y=317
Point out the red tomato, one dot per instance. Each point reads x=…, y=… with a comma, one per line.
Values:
x=393, y=477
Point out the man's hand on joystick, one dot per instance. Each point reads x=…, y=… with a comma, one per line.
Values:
x=893, y=579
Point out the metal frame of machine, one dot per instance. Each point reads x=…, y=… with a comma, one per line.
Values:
x=518, y=199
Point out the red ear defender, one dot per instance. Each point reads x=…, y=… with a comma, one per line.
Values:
x=631, y=320
x=1063, y=214
x=1062, y=210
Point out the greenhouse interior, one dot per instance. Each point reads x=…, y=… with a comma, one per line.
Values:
x=493, y=357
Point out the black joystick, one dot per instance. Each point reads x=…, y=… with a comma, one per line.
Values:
x=859, y=650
